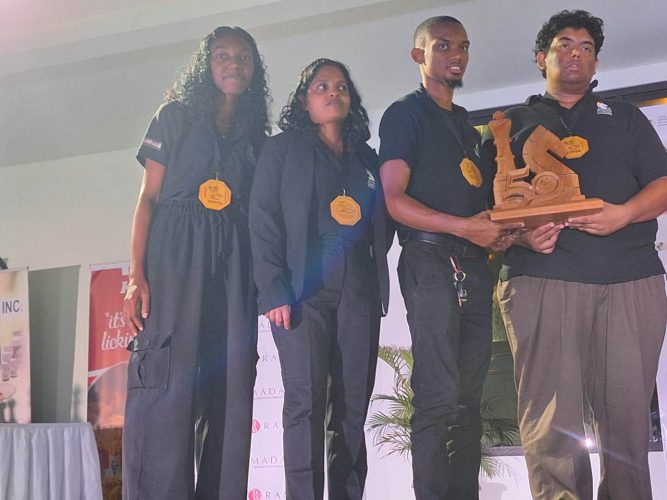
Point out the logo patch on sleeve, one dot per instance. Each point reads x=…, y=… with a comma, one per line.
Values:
x=152, y=143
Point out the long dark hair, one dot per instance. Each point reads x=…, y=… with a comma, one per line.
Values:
x=195, y=88
x=295, y=117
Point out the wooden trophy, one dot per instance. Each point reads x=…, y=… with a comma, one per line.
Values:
x=553, y=193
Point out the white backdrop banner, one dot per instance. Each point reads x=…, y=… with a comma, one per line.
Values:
x=656, y=112
x=266, y=478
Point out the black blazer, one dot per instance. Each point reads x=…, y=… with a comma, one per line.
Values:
x=280, y=202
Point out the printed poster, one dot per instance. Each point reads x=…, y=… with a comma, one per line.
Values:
x=656, y=112
x=14, y=347
x=109, y=336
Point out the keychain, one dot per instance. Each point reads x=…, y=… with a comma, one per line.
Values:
x=459, y=276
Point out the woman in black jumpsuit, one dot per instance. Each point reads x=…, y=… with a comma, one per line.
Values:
x=319, y=258
x=190, y=294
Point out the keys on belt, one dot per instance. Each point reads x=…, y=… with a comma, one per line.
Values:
x=459, y=278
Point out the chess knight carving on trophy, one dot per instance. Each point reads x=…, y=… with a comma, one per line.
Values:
x=553, y=193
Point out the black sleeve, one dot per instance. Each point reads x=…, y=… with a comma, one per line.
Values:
x=267, y=228
x=399, y=134
x=161, y=134
x=387, y=226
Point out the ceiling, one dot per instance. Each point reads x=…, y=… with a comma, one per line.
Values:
x=84, y=76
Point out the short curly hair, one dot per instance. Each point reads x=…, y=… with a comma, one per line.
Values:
x=195, y=88
x=295, y=117
x=576, y=19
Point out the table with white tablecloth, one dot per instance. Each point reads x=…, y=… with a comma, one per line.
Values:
x=49, y=462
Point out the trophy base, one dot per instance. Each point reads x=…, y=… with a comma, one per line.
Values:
x=533, y=217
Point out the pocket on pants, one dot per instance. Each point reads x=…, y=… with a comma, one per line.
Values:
x=148, y=367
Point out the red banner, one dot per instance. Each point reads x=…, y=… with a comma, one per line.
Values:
x=107, y=369
x=107, y=348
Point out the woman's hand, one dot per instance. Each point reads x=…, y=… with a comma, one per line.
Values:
x=138, y=295
x=280, y=316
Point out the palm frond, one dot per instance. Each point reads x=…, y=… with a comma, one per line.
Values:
x=497, y=431
x=391, y=426
x=398, y=358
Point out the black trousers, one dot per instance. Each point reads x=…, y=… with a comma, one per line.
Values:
x=451, y=346
x=328, y=362
x=193, y=367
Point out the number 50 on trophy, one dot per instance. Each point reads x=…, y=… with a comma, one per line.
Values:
x=552, y=194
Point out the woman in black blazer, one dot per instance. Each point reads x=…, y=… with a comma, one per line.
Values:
x=318, y=243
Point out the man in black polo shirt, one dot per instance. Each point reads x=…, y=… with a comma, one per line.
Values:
x=436, y=188
x=584, y=302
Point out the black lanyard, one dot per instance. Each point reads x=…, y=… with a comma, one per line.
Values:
x=575, y=114
x=457, y=129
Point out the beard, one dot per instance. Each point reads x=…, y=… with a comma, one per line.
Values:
x=453, y=84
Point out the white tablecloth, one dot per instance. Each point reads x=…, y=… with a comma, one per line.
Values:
x=49, y=462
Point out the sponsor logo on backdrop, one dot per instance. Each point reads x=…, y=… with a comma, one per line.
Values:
x=257, y=494
x=270, y=392
x=10, y=306
x=268, y=357
x=263, y=325
x=266, y=461
x=266, y=425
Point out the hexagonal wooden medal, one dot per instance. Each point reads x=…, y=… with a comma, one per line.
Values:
x=215, y=194
x=345, y=210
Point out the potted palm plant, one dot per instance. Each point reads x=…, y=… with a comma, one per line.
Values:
x=391, y=426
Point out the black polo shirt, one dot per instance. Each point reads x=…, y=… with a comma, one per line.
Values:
x=625, y=154
x=433, y=141
x=193, y=151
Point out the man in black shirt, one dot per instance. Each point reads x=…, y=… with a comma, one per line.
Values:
x=584, y=301
x=436, y=189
